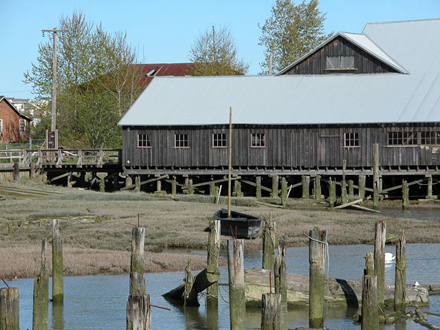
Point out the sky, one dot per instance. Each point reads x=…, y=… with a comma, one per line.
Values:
x=163, y=31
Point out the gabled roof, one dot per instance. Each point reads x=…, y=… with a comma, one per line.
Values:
x=149, y=71
x=359, y=40
x=2, y=98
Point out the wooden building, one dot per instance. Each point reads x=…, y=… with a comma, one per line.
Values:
x=320, y=116
x=14, y=126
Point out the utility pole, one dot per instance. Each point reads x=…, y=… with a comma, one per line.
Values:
x=54, y=31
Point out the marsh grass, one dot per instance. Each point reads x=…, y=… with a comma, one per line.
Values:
x=96, y=228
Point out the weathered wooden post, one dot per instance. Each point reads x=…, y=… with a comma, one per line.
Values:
x=344, y=183
x=237, y=302
x=275, y=184
x=283, y=190
x=258, y=187
x=369, y=264
x=375, y=197
x=269, y=243
x=158, y=187
x=32, y=170
x=138, y=312
x=332, y=193
x=16, y=173
x=101, y=185
x=317, y=256
x=429, y=189
x=9, y=309
x=213, y=257
x=280, y=276
x=57, y=264
x=370, y=316
x=361, y=185
x=400, y=276
x=317, y=186
x=189, y=186
x=41, y=294
x=69, y=180
x=376, y=176
x=350, y=189
x=137, y=282
x=305, y=179
x=379, y=259
x=405, y=196
x=128, y=181
x=237, y=189
x=174, y=186
x=137, y=183
x=271, y=311
x=212, y=189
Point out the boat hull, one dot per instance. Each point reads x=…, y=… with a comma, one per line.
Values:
x=239, y=225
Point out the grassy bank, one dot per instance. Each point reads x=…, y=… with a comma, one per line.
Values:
x=96, y=228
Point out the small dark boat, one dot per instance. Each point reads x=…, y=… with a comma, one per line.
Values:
x=239, y=225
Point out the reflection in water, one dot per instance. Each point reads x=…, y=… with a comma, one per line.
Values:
x=58, y=316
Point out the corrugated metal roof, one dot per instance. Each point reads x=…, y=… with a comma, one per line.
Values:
x=313, y=99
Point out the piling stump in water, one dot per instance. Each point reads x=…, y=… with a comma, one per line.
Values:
x=370, y=316
x=9, y=309
x=237, y=302
x=271, y=311
x=400, y=276
x=213, y=257
x=138, y=312
x=137, y=282
x=379, y=260
x=280, y=275
x=369, y=264
x=317, y=255
x=41, y=294
x=269, y=242
x=57, y=265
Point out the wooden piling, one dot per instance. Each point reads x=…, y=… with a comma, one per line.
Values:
x=405, y=196
x=137, y=183
x=57, y=264
x=101, y=185
x=237, y=189
x=9, y=309
x=376, y=169
x=275, y=184
x=344, y=198
x=350, y=184
x=317, y=257
x=376, y=197
x=258, y=187
x=269, y=243
x=137, y=282
x=370, y=313
x=213, y=257
x=305, y=186
x=361, y=185
x=369, y=264
x=138, y=312
x=284, y=191
x=237, y=301
x=400, y=276
x=16, y=172
x=379, y=259
x=174, y=186
x=271, y=311
x=128, y=181
x=317, y=187
x=32, y=170
x=429, y=188
x=332, y=192
x=41, y=294
x=280, y=276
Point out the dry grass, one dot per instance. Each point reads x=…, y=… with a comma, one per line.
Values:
x=96, y=228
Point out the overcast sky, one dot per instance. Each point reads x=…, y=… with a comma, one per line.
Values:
x=163, y=31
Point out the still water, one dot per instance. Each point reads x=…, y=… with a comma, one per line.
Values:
x=99, y=302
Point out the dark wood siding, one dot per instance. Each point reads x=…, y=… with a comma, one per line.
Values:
x=286, y=146
x=363, y=62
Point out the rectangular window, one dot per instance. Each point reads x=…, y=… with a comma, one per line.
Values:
x=1, y=126
x=427, y=137
x=351, y=139
x=144, y=141
x=22, y=126
x=218, y=140
x=409, y=138
x=340, y=62
x=258, y=140
x=181, y=141
x=395, y=138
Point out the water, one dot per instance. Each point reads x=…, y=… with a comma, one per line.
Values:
x=99, y=302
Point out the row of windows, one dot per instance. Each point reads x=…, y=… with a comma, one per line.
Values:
x=218, y=140
x=258, y=140
x=22, y=127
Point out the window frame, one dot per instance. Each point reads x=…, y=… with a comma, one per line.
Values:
x=181, y=140
x=1, y=126
x=339, y=59
x=217, y=140
x=147, y=141
x=20, y=126
x=260, y=137
x=353, y=140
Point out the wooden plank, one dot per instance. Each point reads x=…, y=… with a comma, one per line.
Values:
x=343, y=206
x=400, y=186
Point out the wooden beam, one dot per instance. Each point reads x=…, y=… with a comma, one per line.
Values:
x=400, y=186
x=146, y=181
x=60, y=176
x=254, y=185
x=214, y=181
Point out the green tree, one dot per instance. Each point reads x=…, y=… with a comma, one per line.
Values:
x=291, y=32
x=214, y=54
x=97, y=81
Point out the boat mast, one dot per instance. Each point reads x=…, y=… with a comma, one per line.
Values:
x=229, y=162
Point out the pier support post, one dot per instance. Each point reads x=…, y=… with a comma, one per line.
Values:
x=305, y=186
x=350, y=189
x=258, y=187
x=280, y=275
x=379, y=259
x=361, y=185
x=237, y=189
x=405, y=196
x=370, y=313
x=41, y=294
x=212, y=189
x=376, y=197
x=137, y=183
x=283, y=191
x=57, y=265
x=213, y=257
x=32, y=170
x=429, y=191
x=9, y=309
x=271, y=311
x=174, y=186
x=376, y=172
x=400, y=276
x=275, y=184
x=128, y=181
x=317, y=187
x=16, y=173
x=101, y=185
x=332, y=193
x=317, y=255
x=237, y=302
x=269, y=242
